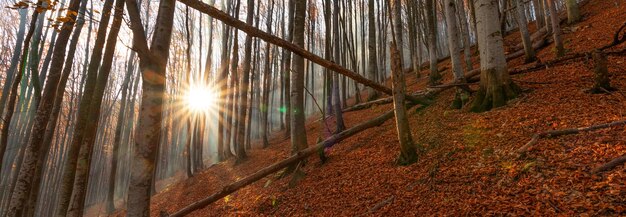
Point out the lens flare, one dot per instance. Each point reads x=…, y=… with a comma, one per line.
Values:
x=200, y=98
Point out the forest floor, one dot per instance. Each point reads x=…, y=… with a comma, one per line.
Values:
x=469, y=167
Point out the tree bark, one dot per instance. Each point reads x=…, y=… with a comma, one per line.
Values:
x=84, y=162
x=523, y=29
x=240, y=147
x=496, y=87
x=298, y=132
x=453, y=44
x=153, y=62
x=373, y=64
x=33, y=148
x=434, y=77
x=556, y=29
x=573, y=13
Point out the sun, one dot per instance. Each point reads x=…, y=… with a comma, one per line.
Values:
x=200, y=98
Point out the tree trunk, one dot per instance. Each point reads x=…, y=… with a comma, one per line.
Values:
x=523, y=29
x=336, y=46
x=56, y=109
x=266, y=81
x=466, y=35
x=153, y=67
x=496, y=87
x=69, y=170
x=15, y=59
x=83, y=165
x=431, y=20
x=34, y=146
x=556, y=29
x=573, y=14
x=298, y=132
x=408, y=152
x=453, y=44
x=240, y=147
x=287, y=70
x=373, y=64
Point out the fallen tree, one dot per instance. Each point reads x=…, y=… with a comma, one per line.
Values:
x=299, y=156
x=269, y=38
x=570, y=131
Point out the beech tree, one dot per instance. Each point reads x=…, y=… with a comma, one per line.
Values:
x=496, y=87
x=152, y=60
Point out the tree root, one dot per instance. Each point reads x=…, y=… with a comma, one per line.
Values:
x=556, y=133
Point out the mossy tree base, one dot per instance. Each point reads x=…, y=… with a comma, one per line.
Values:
x=494, y=96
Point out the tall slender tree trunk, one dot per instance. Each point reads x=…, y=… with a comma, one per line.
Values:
x=336, y=46
x=266, y=81
x=153, y=63
x=240, y=147
x=287, y=69
x=15, y=59
x=373, y=64
x=431, y=23
x=523, y=29
x=56, y=109
x=556, y=29
x=33, y=148
x=453, y=44
x=408, y=151
x=83, y=165
x=69, y=170
x=465, y=33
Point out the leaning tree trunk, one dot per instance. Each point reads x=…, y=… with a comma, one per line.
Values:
x=33, y=147
x=56, y=109
x=69, y=170
x=496, y=87
x=523, y=29
x=83, y=165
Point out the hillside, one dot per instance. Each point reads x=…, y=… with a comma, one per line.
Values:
x=470, y=166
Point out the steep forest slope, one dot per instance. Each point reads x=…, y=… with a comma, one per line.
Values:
x=470, y=166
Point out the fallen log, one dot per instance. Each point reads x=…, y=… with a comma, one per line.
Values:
x=299, y=156
x=555, y=133
x=255, y=32
x=611, y=164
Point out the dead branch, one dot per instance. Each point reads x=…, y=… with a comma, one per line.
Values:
x=610, y=165
x=255, y=32
x=230, y=188
x=556, y=133
x=381, y=204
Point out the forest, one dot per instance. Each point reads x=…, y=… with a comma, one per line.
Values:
x=312, y=108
